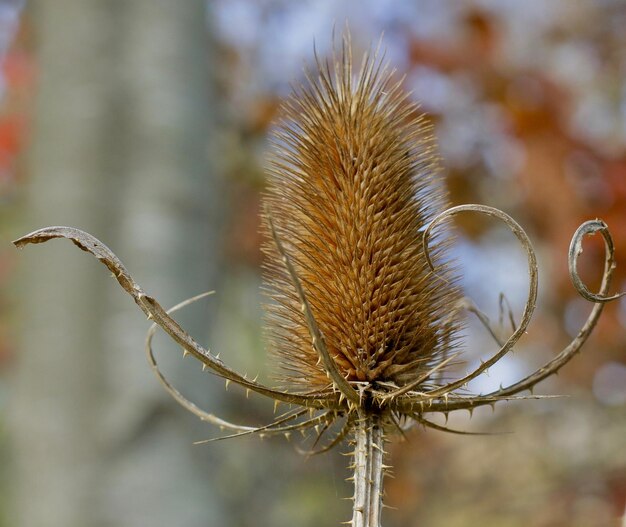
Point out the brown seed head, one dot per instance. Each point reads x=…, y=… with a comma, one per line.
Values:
x=353, y=182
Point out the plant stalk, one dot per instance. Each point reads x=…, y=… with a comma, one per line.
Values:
x=368, y=472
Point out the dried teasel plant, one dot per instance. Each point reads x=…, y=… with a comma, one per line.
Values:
x=364, y=314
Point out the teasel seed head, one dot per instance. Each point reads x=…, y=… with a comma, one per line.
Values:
x=354, y=180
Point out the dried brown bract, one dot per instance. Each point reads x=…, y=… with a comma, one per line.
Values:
x=364, y=314
x=353, y=182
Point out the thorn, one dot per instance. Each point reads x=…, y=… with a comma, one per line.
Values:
x=227, y=383
x=113, y=275
x=185, y=353
x=446, y=415
x=303, y=308
x=247, y=392
x=276, y=403
x=150, y=317
x=471, y=412
x=204, y=366
x=262, y=436
x=287, y=435
x=217, y=356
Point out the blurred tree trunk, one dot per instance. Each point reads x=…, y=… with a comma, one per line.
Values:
x=122, y=129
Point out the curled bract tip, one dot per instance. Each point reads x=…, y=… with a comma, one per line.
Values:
x=575, y=249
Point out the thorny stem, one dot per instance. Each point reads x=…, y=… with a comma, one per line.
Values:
x=368, y=472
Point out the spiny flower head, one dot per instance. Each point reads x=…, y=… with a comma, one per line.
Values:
x=354, y=181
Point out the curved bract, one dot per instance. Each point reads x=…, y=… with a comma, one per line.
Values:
x=369, y=410
x=156, y=313
x=357, y=398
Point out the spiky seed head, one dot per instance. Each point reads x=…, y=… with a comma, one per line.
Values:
x=353, y=181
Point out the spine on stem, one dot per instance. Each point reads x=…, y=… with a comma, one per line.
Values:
x=368, y=472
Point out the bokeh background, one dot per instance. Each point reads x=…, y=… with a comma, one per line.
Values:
x=146, y=123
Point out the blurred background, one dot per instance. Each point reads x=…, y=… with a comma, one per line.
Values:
x=146, y=123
